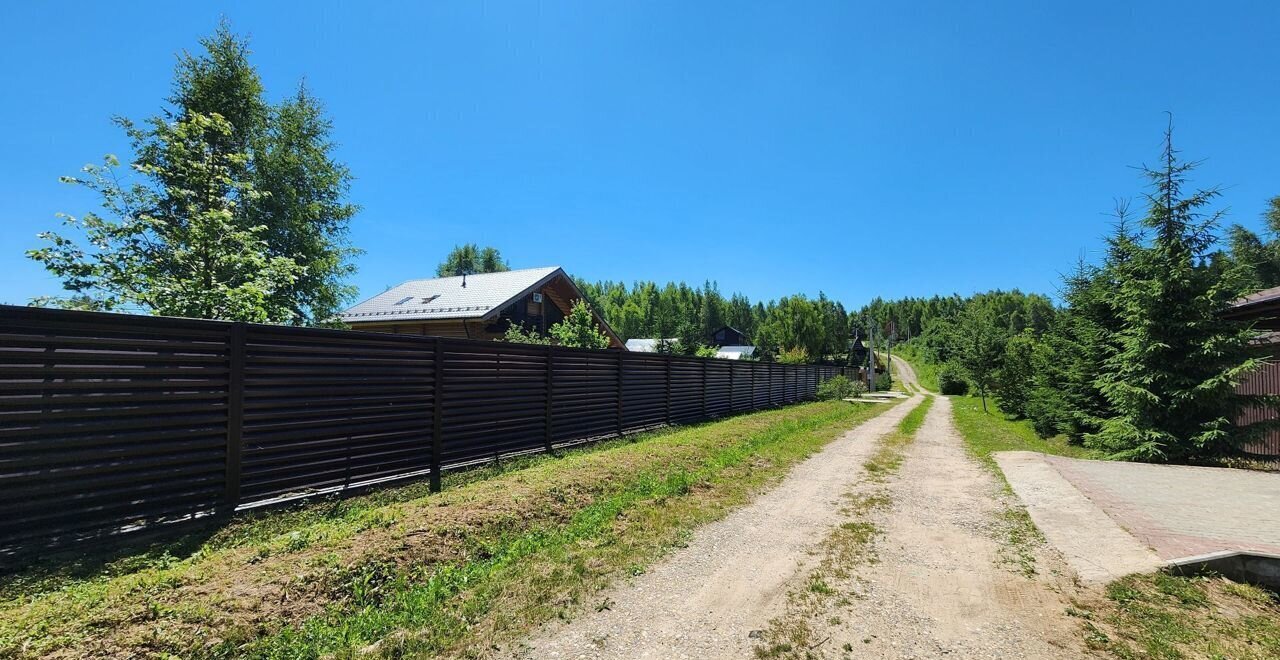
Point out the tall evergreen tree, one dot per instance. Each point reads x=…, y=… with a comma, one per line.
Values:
x=304, y=208
x=302, y=203
x=1171, y=379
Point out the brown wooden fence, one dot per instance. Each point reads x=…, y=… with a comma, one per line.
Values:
x=1264, y=381
x=112, y=423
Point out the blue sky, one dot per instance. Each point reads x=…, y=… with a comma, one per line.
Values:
x=858, y=148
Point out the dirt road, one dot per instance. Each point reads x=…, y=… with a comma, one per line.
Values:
x=941, y=582
x=705, y=599
x=902, y=371
x=945, y=581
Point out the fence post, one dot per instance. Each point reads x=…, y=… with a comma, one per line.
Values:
x=732, y=376
x=547, y=413
x=437, y=417
x=667, y=359
x=769, y=376
x=235, y=413
x=704, y=388
x=620, y=365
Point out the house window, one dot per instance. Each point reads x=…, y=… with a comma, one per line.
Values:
x=404, y=300
x=428, y=299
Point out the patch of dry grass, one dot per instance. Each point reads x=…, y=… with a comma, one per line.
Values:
x=1171, y=617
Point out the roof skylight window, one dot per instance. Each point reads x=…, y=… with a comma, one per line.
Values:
x=404, y=300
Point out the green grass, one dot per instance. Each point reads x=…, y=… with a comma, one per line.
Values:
x=912, y=421
x=407, y=573
x=988, y=432
x=1171, y=617
x=889, y=453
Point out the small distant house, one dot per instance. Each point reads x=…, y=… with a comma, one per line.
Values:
x=480, y=306
x=729, y=336
x=729, y=343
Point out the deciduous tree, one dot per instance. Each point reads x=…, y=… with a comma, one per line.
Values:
x=579, y=328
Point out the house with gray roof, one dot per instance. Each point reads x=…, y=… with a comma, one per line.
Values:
x=480, y=306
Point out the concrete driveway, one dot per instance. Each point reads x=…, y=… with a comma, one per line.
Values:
x=1111, y=518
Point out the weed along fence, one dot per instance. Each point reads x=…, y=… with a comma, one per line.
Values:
x=111, y=423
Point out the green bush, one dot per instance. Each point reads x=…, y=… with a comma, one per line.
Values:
x=793, y=356
x=951, y=380
x=839, y=387
x=883, y=382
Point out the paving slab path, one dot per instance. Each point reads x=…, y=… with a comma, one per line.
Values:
x=1096, y=547
x=1098, y=512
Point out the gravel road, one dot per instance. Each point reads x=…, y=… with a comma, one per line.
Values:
x=942, y=586
x=705, y=599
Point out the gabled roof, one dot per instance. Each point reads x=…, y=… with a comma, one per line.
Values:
x=484, y=296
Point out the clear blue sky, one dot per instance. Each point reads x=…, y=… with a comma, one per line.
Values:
x=860, y=148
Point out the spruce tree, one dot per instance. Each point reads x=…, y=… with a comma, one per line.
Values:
x=1171, y=379
x=470, y=259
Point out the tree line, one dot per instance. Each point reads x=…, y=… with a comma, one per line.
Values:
x=793, y=328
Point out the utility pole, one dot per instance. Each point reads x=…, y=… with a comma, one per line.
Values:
x=871, y=357
x=892, y=335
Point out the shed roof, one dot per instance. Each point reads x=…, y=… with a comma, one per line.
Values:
x=484, y=295
x=1262, y=307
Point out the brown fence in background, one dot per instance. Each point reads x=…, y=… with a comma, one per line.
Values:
x=1263, y=381
x=112, y=423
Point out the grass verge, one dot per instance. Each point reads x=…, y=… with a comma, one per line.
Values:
x=405, y=573
x=1170, y=617
x=812, y=607
x=988, y=432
